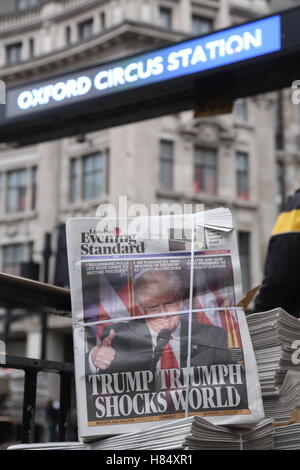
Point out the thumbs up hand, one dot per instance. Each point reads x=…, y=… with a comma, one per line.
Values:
x=103, y=355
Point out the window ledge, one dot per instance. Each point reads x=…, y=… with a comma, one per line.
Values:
x=243, y=125
x=209, y=199
x=18, y=216
x=86, y=204
x=169, y=194
x=245, y=204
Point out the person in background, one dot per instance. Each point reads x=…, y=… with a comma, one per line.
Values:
x=52, y=417
x=281, y=283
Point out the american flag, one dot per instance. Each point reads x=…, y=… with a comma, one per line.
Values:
x=225, y=319
x=116, y=301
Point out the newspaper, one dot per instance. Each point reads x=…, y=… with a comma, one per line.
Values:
x=157, y=332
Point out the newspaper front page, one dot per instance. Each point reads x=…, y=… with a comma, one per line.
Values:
x=157, y=334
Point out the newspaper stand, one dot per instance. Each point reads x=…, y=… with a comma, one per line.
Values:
x=17, y=292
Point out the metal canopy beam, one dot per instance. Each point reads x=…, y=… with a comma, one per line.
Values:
x=245, y=60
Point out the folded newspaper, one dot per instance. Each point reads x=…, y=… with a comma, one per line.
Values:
x=157, y=331
x=275, y=337
x=193, y=433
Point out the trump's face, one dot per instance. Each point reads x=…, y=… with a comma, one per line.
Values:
x=161, y=303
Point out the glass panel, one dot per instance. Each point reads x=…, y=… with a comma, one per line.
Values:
x=13, y=255
x=210, y=181
x=205, y=176
x=88, y=164
x=93, y=182
x=68, y=35
x=242, y=175
x=166, y=150
x=241, y=111
x=22, y=178
x=23, y=4
x=86, y=29
x=14, y=53
x=244, y=251
x=166, y=164
x=166, y=175
x=165, y=15
x=74, y=179
x=33, y=187
x=201, y=25
x=102, y=20
x=16, y=190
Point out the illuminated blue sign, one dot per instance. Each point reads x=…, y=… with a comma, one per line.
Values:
x=190, y=57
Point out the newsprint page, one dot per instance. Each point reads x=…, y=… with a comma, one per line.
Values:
x=157, y=333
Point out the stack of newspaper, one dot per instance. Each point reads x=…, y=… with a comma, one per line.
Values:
x=49, y=446
x=193, y=433
x=169, y=288
x=274, y=337
x=280, y=407
x=162, y=437
x=207, y=436
x=287, y=437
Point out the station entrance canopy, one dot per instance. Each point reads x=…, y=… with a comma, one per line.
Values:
x=244, y=60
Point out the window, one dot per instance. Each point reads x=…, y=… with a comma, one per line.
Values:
x=245, y=259
x=278, y=122
x=201, y=25
x=280, y=193
x=74, y=179
x=241, y=111
x=31, y=47
x=205, y=170
x=93, y=172
x=242, y=176
x=165, y=17
x=21, y=190
x=13, y=256
x=24, y=4
x=88, y=176
x=85, y=29
x=14, y=53
x=33, y=187
x=16, y=191
x=68, y=35
x=102, y=20
x=166, y=164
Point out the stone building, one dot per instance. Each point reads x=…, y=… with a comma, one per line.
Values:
x=248, y=161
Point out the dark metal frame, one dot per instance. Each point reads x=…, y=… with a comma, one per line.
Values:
x=17, y=292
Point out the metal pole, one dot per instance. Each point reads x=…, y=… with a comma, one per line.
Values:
x=65, y=403
x=29, y=402
x=44, y=320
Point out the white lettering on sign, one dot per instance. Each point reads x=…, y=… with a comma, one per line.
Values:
x=134, y=71
x=169, y=62
x=58, y=92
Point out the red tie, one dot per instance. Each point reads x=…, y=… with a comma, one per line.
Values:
x=168, y=361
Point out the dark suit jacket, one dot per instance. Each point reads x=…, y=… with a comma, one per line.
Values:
x=134, y=350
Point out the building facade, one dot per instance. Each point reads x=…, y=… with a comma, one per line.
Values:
x=248, y=160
